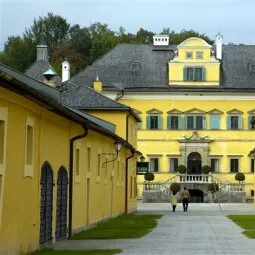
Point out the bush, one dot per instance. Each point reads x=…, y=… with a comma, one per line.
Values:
x=149, y=176
x=206, y=169
x=240, y=177
x=213, y=187
x=175, y=187
x=181, y=169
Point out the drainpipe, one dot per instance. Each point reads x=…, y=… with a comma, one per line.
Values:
x=120, y=96
x=73, y=139
x=126, y=182
x=127, y=129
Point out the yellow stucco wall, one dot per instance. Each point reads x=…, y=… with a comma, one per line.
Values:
x=20, y=221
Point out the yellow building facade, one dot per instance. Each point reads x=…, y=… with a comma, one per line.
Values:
x=47, y=192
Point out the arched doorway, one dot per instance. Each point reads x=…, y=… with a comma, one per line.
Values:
x=194, y=163
x=61, y=214
x=46, y=203
x=196, y=196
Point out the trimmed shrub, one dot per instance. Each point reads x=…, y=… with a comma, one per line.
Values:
x=175, y=187
x=181, y=169
x=239, y=177
x=213, y=187
x=206, y=169
x=149, y=176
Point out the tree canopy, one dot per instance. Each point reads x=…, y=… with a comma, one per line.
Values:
x=81, y=46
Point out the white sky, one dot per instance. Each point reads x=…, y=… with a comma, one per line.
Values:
x=234, y=19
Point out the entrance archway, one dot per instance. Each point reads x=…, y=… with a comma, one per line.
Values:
x=196, y=196
x=194, y=163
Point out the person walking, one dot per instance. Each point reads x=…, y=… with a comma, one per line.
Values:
x=185, y=199
x=174, y=200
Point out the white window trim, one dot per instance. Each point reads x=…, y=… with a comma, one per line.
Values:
x=29, y=169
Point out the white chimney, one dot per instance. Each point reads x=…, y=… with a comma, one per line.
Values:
x=65, y=71
x=160, y=40
x=218, y=43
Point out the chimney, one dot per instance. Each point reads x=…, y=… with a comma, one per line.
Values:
x=42, y=50
x=98, y=85
x=49, y=77
x=65, y=71
x=160, y=40
x=218, y=43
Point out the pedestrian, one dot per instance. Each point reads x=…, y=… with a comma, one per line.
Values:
x=185, y=199
x=174, y=200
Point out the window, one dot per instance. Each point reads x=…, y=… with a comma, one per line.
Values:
x=189, y=55
x=199, y=55
x=252, y=193
x=251, y=122
x=193, y=74
x=252, y=165
x=194, y=122
x=77, y=162
x=173, y=164
x=29, y=147
x=89, y=158
x=174, y=122
x=234, y=165
x=234, y=122
x=215, y=165
x=154, y=122
x=214, y=121
x=154, y=165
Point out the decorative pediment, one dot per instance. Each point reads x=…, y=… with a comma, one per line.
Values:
x=154, y=111
x=195, y=111
x=195, y=138
x=174, y=111
x=136, y=111
x=234, y=111
x=194, y=42
x=215, y=111
x=252, y=112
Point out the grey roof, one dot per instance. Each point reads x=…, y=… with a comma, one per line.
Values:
x=129, y=65
x=38, y=68
x=144, y=66
x=84, y=97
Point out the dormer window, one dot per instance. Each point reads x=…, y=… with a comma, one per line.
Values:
x=189, y=55
x=251, y=67
x=194, y=74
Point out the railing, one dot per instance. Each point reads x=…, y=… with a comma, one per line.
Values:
x=190, y=178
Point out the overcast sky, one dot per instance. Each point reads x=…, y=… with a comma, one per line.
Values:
x=235, y=19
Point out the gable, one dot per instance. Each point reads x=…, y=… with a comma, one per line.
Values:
x=154, y=111
x=215, y=111
x=195, y=111
x=174, y=111
x=235, y=111
x=251, y=111
x=194, y=42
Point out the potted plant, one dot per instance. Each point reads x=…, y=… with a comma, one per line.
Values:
x=175, y=187
x=206, y=169
x=240, y=177
x=149, y=176
x=181, y=169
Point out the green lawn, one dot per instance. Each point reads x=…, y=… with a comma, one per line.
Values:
x=127, y=226
x=84, y=252
x=246, y=222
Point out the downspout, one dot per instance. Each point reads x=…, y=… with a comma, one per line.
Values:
x=72, y=140
x=120, y=96
x=126, y=182
x=127, y=126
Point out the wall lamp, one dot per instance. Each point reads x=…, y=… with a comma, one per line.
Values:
x=117, y=147
x=142, y=158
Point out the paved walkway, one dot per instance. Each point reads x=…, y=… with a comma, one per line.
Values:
x=203, y=230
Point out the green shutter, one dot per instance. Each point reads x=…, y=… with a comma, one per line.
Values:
x=214, y=121
x=229, y=122
x=179, y=122
x=148, y=122
x=185, y=122
x=185, y=74
x=194, y=78
x=139, y=125
x=249, y=122
x=204, y=122
x=203, y=74
x=168, y=122
x=159, y=122
x=240, y=124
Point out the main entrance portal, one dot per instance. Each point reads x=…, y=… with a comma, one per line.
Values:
x=194, y=163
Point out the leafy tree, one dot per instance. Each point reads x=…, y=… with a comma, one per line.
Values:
x=213, y=187
x=239, y=177
x=206, y=169
x=181, y=169
x=144, y=36
x=149, y=176
x=175, y=187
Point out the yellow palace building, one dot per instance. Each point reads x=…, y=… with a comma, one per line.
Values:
x=196, y=103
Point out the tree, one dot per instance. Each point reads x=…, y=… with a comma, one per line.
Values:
x=213, y=187
x=144, y=36
x=175, y=187
x=206, y=169
x=239, y=177
x=149, y=176
x=181, y=169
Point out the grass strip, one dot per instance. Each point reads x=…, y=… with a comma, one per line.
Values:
x=249, y=233
x=127, y=226
x=244, y=221
x=81, y=252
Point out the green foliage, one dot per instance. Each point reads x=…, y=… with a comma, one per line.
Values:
x=249, y=234
x=149, y=176
x=79, y=252
x=213, y=187
x=128, y=226
x=181, y=169
x=239, y=177
x=206, y=169
x=175, y=187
